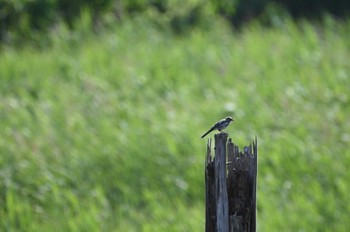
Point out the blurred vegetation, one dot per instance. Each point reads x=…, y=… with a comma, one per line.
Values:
x=100, y=132
x=21, y=18
x=101, y=115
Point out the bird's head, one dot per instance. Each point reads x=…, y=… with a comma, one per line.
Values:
x=229, y=119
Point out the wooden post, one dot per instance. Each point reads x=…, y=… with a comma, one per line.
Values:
x=230, y=187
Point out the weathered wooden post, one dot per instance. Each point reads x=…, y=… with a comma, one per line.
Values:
x=230, y=186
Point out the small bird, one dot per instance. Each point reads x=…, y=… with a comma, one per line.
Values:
x=220, y=125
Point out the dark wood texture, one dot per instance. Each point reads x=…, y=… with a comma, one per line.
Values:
x=230, y=182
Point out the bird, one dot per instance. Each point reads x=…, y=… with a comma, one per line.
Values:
x=220, y=125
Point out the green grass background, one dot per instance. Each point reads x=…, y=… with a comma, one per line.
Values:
x=102, y=132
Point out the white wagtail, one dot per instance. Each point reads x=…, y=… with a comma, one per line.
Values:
x=220, y=125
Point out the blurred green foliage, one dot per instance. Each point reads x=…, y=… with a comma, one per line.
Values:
x=101, y=132
x=19, y=19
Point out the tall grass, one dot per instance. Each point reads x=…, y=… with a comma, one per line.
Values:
x=101, y=133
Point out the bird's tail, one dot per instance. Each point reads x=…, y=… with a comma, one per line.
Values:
x=207, y=132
